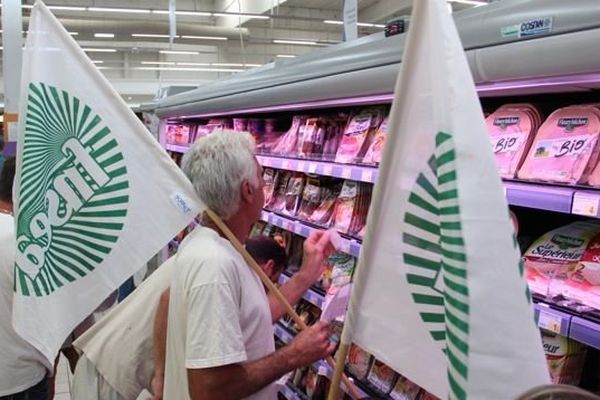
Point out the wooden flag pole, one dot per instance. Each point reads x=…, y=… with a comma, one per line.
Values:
x=338, y=371
x=353, y=391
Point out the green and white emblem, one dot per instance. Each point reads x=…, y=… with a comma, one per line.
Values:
x=73, y=193
x=433, y=241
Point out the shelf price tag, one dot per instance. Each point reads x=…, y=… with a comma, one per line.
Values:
x=312, y=168
x=585, y=204
x=346, y=172
x=549, y=321
x=367, y=175
x=289, y=226
x=302, y=166
x=327, y=169
x=285, y=164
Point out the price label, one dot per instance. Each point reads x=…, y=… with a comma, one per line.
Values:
x=549, y=322
x=289, y=226
x=585, y=204
x=312, y=168
x=285, y=164
x=327, y=169
x=507, y=143
x=346, y=172
x=366, y=175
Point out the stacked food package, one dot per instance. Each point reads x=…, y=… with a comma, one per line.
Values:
x=511, y=129
x=565, y=358
x=375, y=151
x=565, y=149
x=358, y=135
x=178, y=134
x=352, y=207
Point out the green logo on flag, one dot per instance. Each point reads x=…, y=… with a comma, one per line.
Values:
x=73, y=193
x=435, y=254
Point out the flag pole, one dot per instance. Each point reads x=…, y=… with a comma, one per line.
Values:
x=338, y=371
x=353, y=391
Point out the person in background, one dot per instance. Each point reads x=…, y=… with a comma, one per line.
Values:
x=220, y=342
x=117, y=361
x=2, y=158
x=23, y=368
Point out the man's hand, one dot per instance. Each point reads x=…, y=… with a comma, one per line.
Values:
x=317, y=248
x=310, y=345
x=156, y=385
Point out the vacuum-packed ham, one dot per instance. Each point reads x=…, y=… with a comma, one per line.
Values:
x=511, y=130
x=356, y=134
x=565, y=149
x=375, y=151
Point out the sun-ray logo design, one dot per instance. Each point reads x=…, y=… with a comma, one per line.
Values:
x=73, y=193
x=435, y=255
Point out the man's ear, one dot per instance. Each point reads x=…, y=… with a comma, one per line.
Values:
x=247, y=191
x=269, y=268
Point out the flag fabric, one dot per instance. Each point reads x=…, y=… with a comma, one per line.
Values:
x=96, y=196
x=439, y=293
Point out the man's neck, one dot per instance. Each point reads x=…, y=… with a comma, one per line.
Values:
x=240, y=227
x=6, y=207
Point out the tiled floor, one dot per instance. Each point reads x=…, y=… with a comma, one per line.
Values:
x=63, y=380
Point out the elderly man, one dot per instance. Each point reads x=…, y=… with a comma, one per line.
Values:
x=220, y=341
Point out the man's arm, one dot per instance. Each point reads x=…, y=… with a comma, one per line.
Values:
x=160, y=345
x=317, y=249
x=240, y=380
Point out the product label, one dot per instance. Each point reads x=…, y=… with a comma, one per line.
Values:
x=572, y=123
x=359, y=124
x=533, y=27
x=507, y=143
x=549, y=251
x=349, y=190
x=505, y=121
x=561, y=147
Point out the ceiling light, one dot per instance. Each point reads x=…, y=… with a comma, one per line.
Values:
x=204, y=37
x=379, y=25
x=333, y=22
x=158, y=62
x=120, y=10
x=66, y=8
x=299, y=42
x=98, y=61
x=255, y=16
x=252, y=65
x=195, y=13
x=227, y=65
x=152, y=35
x=470, y=2
x=187, y=69
x=194, y=64
x=285, y=56
x=364, y=24
x=27, y=6
x=97, y=50
x=73, y=33
x=177, y=52
x=104, y=35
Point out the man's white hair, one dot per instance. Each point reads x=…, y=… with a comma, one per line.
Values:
x=217, y=165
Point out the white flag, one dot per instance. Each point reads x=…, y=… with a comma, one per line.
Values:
x=96, y=195
x=439, y=293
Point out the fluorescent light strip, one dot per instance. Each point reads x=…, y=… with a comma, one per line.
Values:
x=227, y=65
x=104, y=35
x=92, y=50
x=120, y=10
x=187, y=69
x=470, y=2
x=73, y=33
x=157, y=62
x=194, y=64
x=152, y=35
x=67, y=8
x=298, y=42
x=255, y=16
x=363, y=24
x=193, y=13
x=98, y=61
x=285, y=56
x=178, y=52
x=252, y=65
x=204, y=37
x=333, y=22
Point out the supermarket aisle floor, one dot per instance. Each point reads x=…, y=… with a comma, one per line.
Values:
x=63, y=380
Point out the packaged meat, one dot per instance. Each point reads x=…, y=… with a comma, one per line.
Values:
x=405, y=390
x=381, y=377
x=269, y=177
x=359, y=362
x=178, y=134
x=565, y=149
x=375, y=151
x=277, y=202
x=548, y=259
x=311, y=198
x=286, y=145
x=583, y=284
x=565, y=358
x=346, y=206
x=360, y=126
x=240, y=124
x=325, y=213
x=511, y=132
x=293, y=193
x=306, y=141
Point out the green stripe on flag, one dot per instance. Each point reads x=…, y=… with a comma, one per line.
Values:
x=421, y=243
x=421, y=262
x=423, y=204
x=419, y=280
x=432, y=317
x=421, y=223
x=427, y=186
x=427, y=299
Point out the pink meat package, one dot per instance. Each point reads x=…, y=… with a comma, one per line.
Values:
x=550, y=258
x=511, y=130
x=583, y=283
x=565, y=149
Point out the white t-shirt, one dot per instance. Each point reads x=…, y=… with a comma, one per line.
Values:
x=120, y=344
x=21, y=365
x=218, y=313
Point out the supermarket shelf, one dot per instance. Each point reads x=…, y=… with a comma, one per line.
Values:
x=289, y=393
x=347, y=245
x=312, y=296
x=177, y=148
x=282, y=333
x=585, y=331
x=531, y=195
x=552, y=320
x=326, y=370
x=354, y=172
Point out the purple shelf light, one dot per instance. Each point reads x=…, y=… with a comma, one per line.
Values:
x=559, y=199
x=310, y=295
x=176, y=148
x=585, y=331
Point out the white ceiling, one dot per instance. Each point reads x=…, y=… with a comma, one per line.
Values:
x=139, y=64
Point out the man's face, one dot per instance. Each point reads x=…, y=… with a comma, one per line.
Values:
x=258, y=200
x=271, y=270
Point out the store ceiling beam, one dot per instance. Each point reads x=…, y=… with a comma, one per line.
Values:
x=243, y=6
x=384, y=8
